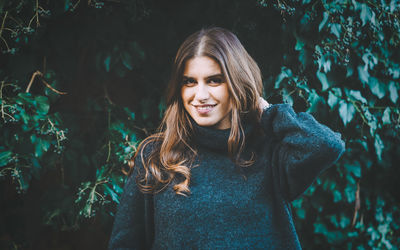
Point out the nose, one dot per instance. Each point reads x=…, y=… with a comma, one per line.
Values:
x=202, y=93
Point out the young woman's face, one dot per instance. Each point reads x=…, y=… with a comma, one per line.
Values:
x=205, y=94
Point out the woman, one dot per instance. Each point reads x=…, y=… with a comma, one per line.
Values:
x=225, y=165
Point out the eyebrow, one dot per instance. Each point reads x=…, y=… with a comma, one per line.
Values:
x=208, y=77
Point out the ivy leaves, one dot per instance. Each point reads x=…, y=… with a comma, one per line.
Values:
x=347, y=66
x=122, y=59
x=346, y=111
x=5, y=158
x=29, y=132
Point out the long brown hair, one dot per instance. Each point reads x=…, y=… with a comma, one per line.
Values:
x=171, y=153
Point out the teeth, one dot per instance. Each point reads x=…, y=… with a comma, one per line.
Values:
x=205, y=107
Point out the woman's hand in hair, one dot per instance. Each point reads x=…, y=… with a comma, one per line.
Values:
x=263, y=104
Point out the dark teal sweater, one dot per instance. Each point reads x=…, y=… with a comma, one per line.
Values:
x=226, y=210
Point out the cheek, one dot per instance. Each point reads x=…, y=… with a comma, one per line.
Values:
x=183, y=95
x=186, y=95
x=225, y=97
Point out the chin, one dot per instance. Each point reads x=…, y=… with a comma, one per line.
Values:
x=204, y=122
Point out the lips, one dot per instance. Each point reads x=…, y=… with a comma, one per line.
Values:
x=204, y=109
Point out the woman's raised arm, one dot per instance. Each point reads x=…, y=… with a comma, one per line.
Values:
x=304, y=148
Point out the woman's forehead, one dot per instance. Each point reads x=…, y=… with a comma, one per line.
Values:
x=201, y=66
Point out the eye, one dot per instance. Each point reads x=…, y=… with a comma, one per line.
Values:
x=189, y=82
x=215, y=81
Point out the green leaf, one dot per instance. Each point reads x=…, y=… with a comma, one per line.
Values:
x=350, y=192
x=369, y=59
x=23, y=180
x=285, y=73
x=346, y=111
x=323, y=79
x=109, y=192
x=357, y=95
x=372, y=121
x=138, y=51
x=299, y=45
x=130, y=114
x=329, y=185
x=336, y=237
x=107, y=63
x=393, y=92
x=101, y=172
x=376, y=87
x=363, y=143
x=301, y=213
x=354, y=168
x=350, y=71
x=41, y=145
x=67, y=5
x=386, y=116
x=320, y=228
x=334, y=220
x=127, y=60
x=332, y=100
x=378, y=146
x=35, y=167
x=344, y=221
x=336, y=29
x=161, y=109
x=373, y=125
x=87, y=210
x=366, y=14
x=313, y=100
x=337, y=196
x=117, y=183
x=42, y=105
x=363, y=74
x=25, y=117
x=324, y=20
x=5, y=158
x=394, y=71
x=25, y=98
x=333, y=97
x=327, y=65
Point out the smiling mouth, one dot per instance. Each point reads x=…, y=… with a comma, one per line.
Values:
x=204, y=109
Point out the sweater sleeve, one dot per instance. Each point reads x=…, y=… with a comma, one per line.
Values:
x=304, y=148
x=132, y=217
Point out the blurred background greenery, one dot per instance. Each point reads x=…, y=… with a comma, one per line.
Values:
x=82, y=83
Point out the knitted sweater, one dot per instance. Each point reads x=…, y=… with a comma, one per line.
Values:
x=232, y=207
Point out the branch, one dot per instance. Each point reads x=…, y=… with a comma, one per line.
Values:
x=38, y=73
x=2, y=24
x=8, y=48
x=36, y=15
x=3, y=113
x=357, y=204
x=31, y=81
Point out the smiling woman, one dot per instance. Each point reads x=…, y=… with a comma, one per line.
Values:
x=225, y=164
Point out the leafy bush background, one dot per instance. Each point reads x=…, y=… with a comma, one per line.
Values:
x=82, y=83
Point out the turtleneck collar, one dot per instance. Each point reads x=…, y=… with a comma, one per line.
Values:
x=216, y=139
